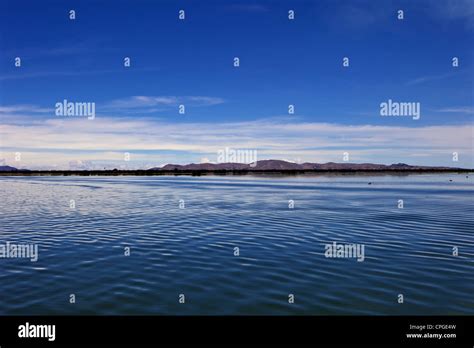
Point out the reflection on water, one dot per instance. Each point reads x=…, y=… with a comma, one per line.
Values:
x=191, y=250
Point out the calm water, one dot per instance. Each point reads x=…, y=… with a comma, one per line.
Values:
x=190, y=251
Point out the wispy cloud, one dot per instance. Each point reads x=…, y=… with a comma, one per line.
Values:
x=249, y=8
x=363, y=14
x=429, y=78
x=206, y=100
x=24, y=108
x=141, y=102
x=458, y=110
x=453, y=10
x=36, y=74
x=56, y=142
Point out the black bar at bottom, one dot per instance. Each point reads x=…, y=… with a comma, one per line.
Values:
x=224, y=330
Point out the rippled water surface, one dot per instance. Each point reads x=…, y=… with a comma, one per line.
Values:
x=190, y=251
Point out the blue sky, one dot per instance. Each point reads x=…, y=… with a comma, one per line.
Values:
x=190, y=62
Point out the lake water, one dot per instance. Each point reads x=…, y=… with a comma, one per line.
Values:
x=190, y=250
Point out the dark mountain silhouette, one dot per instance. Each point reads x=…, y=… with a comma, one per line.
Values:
x=7, y=169
x=262, y=167
x=277, y=165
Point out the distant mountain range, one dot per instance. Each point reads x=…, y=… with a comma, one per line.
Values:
x=259, y=166
x=277, y=165
x=7, y=169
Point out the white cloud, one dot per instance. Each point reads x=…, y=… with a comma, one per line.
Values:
x=24, y=108
x=429, y=78
x=59, y=141
x=459, y=110
x=136, y=102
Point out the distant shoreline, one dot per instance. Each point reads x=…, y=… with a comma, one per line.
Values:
x=117, y=172
x=261, y=167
